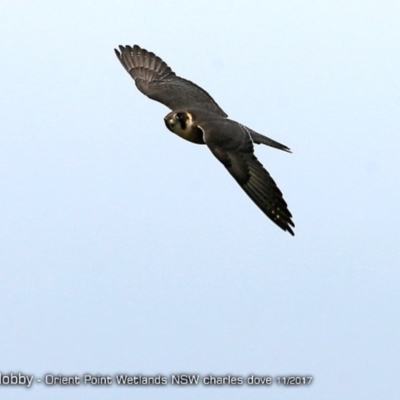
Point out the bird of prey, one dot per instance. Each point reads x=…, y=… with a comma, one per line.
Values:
x=197, y=118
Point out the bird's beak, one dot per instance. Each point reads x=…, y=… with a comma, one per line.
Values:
x=169, y=122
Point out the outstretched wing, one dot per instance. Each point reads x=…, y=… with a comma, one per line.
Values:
x=237, y=155
x=155, y=79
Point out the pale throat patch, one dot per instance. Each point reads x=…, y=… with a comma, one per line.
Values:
x=190, y=118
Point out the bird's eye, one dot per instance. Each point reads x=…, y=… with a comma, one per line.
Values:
x=180, y=116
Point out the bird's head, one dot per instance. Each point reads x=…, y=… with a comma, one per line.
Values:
x=183, y=124
x=179, y=122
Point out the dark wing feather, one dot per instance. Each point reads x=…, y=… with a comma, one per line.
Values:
x=155, y=79
x=239, y=159
x=263, y=190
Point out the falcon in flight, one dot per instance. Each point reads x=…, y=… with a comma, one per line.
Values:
x=196, y=117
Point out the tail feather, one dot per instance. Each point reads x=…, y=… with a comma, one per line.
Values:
x=261, y=139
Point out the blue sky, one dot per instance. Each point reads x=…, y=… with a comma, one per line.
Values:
x=125, y=249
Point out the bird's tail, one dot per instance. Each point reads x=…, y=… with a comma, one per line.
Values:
x=261, y=139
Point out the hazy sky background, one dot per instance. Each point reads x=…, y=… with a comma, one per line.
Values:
x=125, y=249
